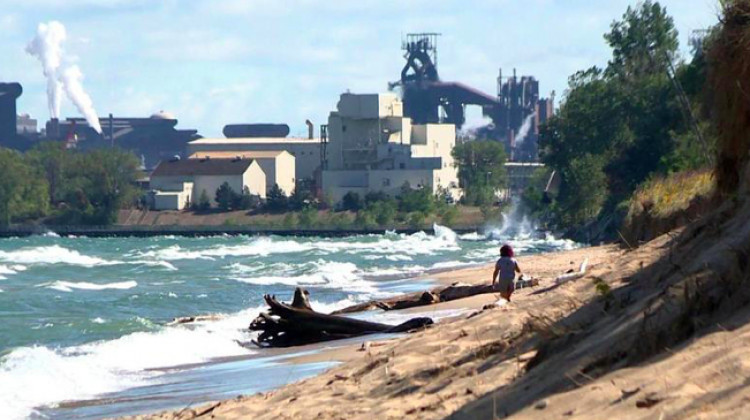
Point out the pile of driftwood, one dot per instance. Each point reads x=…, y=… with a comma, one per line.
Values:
x=297, y=323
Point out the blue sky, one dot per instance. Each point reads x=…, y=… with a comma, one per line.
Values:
x=213, y=62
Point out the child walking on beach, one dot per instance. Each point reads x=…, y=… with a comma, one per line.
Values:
x=506, y=267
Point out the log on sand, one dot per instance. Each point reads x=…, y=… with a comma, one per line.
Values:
x=444, y=294
x=294, y=324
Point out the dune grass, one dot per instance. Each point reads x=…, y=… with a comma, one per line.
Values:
x=664, y=196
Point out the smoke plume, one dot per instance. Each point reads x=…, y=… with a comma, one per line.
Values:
x=47, y=47
x=71, y=80
x=523, y=132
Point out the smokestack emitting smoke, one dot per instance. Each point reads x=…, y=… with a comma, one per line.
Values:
x=47, y=47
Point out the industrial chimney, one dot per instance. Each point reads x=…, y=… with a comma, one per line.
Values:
x=310, y=129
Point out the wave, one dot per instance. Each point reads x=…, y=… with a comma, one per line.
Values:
x=260, y=247
x=40, y=376
x=53, y=254
x=6, y=270
x=67, y=286
x=324, y=274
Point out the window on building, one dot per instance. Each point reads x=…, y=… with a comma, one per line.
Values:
x=401, y=166
x=343, y=128
x=386, y=182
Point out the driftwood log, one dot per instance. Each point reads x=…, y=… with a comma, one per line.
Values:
x=294, y=324
x=444, y=294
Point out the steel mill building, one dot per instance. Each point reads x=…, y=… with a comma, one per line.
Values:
x=372, y=147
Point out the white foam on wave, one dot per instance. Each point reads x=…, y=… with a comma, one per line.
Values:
x=53, y=254
x=68, y=286
x=39, y=376
x=260, y=247
x=6, y=270
x=399, y=246
x=324, y=274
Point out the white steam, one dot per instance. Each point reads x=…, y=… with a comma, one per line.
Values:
x=47, y=46
x=71, y=79
x=523, y=132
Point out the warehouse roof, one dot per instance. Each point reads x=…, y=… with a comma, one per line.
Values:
x=245, y=154
x=202, y=167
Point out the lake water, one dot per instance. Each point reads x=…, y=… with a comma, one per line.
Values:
x=84, y=317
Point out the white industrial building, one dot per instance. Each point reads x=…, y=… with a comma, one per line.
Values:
x=305, y=151
x=176, y=184
x=373, y=147
x=278, y=165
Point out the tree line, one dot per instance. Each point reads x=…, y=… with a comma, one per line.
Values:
x=64, y=186
x=620, y=125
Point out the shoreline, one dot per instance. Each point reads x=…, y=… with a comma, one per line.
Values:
x=201, y=231
x=358, y=352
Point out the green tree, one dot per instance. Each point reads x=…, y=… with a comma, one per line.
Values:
x=626, y=120
x=481, y=170
x=225, y=196
x=204, y=203
x=276, y=200
x=352, y=201
x=643, y=43
x=246, y=200
x=303, y=196
x=415, y=200
x=22, y=194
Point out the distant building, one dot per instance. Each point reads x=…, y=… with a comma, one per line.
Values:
x=152, y=139
x=9, y=92
x=305, y=151
x=373, y=147
x=279, y=166
x=25, y=125
x=178, y=183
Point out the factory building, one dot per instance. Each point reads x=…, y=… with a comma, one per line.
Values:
x=9, y=92
x=278, y=166
x=306, y=152
x=372, y=147
x=177, y=183
x=152, y=139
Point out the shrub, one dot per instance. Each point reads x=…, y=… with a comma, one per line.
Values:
x=416, y=219
x=419, y=200
x=352, y=202
x=276, y=200
x=448, y=215
x=204, y=203
x=308, y=217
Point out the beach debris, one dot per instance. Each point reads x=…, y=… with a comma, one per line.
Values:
x=574, y=275
x=648, y=401
x=441, y=294
x=541, y=405
x=525, y=282
x=191, y=319
x=294, y=324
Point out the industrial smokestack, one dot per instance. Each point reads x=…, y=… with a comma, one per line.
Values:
x=47, y=47
x=310, y=129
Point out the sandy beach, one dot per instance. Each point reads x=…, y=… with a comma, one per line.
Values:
x=432, y=372
x=460, y=367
